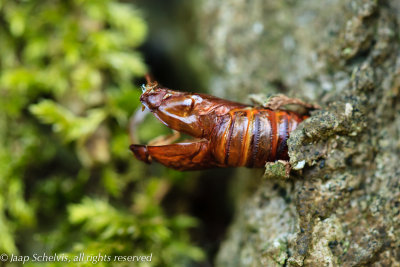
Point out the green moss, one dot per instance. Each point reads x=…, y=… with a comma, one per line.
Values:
x=68, y=181
x=277, y=170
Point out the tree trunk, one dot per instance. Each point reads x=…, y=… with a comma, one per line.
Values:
x=341, y=207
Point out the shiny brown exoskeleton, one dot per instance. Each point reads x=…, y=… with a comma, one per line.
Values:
x=228, y=134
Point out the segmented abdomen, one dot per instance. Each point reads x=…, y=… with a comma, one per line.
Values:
x=251, y=137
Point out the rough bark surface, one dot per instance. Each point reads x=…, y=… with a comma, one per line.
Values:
x=342, y=207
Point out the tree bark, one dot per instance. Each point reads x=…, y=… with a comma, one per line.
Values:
x=341, y=207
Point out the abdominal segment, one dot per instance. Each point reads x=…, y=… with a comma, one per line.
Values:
x=252, y=137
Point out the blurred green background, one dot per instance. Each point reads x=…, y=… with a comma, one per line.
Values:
x=70, y=72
